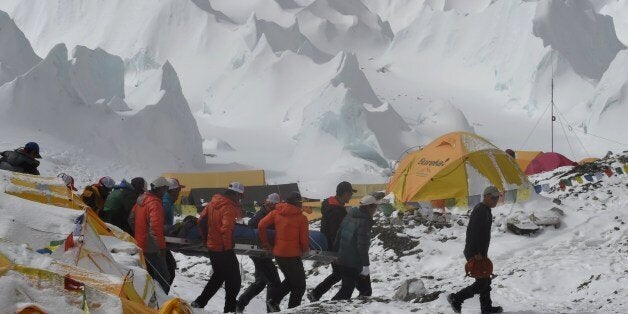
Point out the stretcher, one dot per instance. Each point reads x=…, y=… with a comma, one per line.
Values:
x=247, y=243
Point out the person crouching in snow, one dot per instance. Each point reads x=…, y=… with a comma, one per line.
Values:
x=292, y=239
x=353, y=242
x=476, y=247
x=22, y=160
x=147, y=218
x=266, y=274
x=216, y=224
x=96, y=194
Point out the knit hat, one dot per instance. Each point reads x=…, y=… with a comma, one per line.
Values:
x=294, y=198
x=273, y=198
x=107, y=182
x=236, y=187
x=138, y=184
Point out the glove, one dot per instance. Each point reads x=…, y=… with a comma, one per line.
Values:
x=365, y=271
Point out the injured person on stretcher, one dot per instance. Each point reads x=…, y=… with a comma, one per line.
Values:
x=184, y=238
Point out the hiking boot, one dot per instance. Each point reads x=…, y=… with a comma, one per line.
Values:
x=239, y=308
x=311, y=296
x=455, y=305
x=195, y=305
x=493, y=309
x=271, y=307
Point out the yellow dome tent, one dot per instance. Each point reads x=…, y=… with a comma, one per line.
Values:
x=453, y=169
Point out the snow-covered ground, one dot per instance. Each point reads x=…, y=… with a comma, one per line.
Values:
x=319, y=91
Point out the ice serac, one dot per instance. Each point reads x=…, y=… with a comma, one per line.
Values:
x=349, y=110
x=16, y=54
x=344, y=25
x=584, y=37
x=97, y=75
x=282, y=39
x=171, y=125
x=610, y=103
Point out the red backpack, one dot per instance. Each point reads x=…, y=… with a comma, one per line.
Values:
x=482, y=268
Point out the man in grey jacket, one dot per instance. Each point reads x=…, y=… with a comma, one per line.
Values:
x=353, y=242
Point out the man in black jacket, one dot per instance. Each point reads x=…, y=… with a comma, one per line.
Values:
x=477, y=242
x=266, y=274
x=333, y=211
x=22, y=160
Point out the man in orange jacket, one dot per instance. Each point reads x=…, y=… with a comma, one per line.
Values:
x=147, y=219
x=216, y=224
x=291, y=240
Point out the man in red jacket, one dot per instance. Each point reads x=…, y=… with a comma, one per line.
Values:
x=147, y=219
x=216, y=224
x=291, y=240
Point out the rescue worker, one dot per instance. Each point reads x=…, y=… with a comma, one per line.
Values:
x=96, y=194
x=174, y=189
x=266, y=275
x=291, y=241
x=169, y=199
x=216, y=224
x=334, y=211
x=353, y=242
x=147, y=217
x=23, y=159
x=476, y=247
x=120, y=202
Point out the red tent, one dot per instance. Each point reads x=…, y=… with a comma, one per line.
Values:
x=547, y=162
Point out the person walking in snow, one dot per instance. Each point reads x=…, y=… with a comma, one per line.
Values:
x=266, y=274
x=23, y=159
x=476, y=247
x=216, y=224
x=96, y=194
x=291, y=241
x=353, y=242
x=333, y=211
x=147, y=218
x=174, y=189
x=120, y=202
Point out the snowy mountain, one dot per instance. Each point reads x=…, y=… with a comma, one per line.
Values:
x=16, y=54
x=53, y=97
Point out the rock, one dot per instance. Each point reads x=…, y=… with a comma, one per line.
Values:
x=557, y=201
x=558, y=211
x=410, y=289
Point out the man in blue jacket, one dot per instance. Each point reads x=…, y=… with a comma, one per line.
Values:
x=266, y=274
x=476, y=246
x=353, y=242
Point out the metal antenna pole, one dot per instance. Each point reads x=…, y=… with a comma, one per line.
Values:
x=552, y=101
